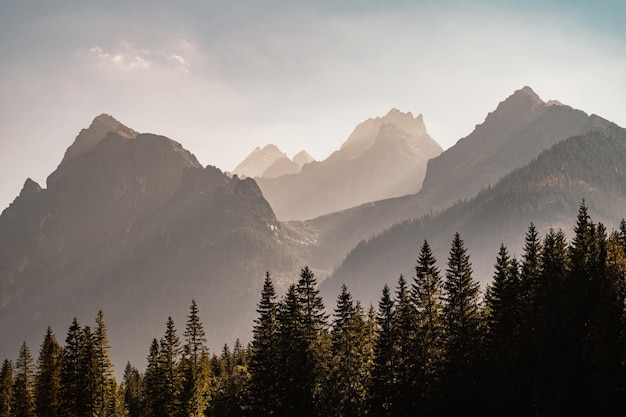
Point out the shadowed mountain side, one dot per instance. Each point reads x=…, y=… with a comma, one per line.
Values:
x=137, y=227
x=510, y=137
x=547, y=192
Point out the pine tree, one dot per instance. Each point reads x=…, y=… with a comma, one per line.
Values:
x=502, y=345
x=551, y=344
x=48, y=379
x=462, y=321
x=383, y=369
x=169, y=356
x=153, y=383
x=6, y=388
x=426, y=294
x=71, y=378
x=406, y=391
x=88, y=374
x=314, y=332
x=105, y=386
x=24, y=385
x=264, y=353
x=132, y=391
x=195, y=380
x=295, y=368
x=346, y=388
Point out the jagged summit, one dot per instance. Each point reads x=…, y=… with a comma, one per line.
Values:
x=364, y=135
x=258, y=161
x=88, y=138
x=30, y=187
x=302, y=158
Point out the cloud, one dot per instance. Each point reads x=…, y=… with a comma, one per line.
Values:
x=126, y=56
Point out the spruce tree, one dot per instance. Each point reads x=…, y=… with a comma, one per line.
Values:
x=264, y=353
x=346, y=387
x=153, y=383
x=383, y=369
x=48, y=379
x=426, y=294
x=502, y=367
x=195, y=384
x=462, y=321
x=295, y=368
x=71, y=378
x=6, y=388
x=169, y=356
x=406, y=397
x=105, y=386
x=88, y=374
x=132, y=390
x=314, y=332
x=24, y=385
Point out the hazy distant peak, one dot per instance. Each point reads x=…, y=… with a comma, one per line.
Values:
x=364, y=135
x=302, y=158
x=258, y=161
x=526, y=93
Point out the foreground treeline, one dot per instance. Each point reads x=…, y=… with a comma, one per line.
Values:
x=547, y=337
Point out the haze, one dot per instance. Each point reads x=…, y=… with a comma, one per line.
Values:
x=225, y=77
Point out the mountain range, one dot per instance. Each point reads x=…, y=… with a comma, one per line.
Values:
x=383, y=157
x=271, y=162
x=131, y=223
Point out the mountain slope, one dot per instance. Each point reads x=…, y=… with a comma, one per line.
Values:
x=518, y=130
x=134, y=225
x=384, y=157
x=546, y=192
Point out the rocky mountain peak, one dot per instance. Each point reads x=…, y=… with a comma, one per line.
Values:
x=302, y=158
x=258, y=161
x=88, y=138
x=30, y=187
x=364, y=135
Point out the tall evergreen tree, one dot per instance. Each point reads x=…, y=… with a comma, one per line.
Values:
x=6, y=388
x=105, y=385
x=406, y=390
x=88, y=374
x=503, y=304
x=462, y=321
x=550, y=344
x=195, y=384
x=383, y=368
x=169, y=356
x=48, y=379
x=264, y=353
x=153, y=383
x=426, y=294
x=134, y=401
x=314, y=328
x=24, y=385
x=346, y=387
x=296, y=370
x=71, y=379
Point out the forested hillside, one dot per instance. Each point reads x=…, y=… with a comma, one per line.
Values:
x=546, y=337
x=547, y=192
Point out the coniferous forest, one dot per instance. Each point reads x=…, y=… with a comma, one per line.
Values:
x=546, y=337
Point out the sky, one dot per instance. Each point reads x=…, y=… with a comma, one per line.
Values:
x=223, y=77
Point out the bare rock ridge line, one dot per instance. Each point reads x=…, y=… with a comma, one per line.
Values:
x=383, y=157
